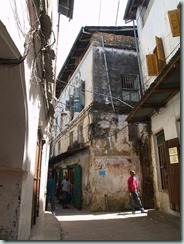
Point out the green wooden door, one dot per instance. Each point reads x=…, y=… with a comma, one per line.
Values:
x=78, y=187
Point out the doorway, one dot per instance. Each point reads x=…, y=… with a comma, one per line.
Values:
x=74, y=173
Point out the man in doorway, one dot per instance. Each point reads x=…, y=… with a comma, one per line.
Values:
x=66, y=190
x=134, y=195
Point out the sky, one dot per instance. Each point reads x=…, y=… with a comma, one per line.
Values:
x=87, y=13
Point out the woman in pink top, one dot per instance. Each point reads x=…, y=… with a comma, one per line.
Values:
x=133, y=189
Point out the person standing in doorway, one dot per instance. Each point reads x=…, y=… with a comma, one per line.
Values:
x=51, y=192
x=133, y=191
x=66, y=190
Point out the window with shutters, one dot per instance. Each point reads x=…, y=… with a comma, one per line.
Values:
x=79, y=97
x=130, y=87
x=69, y=106
x=174, y=20
x=76, y=102
x=156, y=61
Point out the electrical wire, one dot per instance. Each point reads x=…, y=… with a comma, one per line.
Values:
x=96, y=93
x=86, y=128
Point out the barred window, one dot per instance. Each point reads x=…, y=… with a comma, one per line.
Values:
x=130, y=87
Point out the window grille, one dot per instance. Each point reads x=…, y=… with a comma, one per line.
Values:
x=130, y=87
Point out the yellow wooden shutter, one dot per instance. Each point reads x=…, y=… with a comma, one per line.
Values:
x=160, y=49
x=174, y=20
x=152, y=64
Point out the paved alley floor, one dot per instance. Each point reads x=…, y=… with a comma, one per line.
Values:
x=82, y=225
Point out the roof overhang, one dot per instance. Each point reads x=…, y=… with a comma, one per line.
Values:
x=131, y=9
x=62, y=156
x=80, y=47
x=165, y=86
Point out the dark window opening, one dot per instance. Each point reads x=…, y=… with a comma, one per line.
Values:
x=130, y=87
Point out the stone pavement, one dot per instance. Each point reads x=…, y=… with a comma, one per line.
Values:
x=81, y=225
x=47, y=228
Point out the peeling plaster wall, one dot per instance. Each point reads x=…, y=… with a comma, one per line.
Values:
x=119, y=62
x=110, y=155
x=10, y=195
x=106, y=164
x=113, y=158
x=108, y=176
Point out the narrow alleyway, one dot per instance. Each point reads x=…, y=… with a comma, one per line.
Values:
x=84, y=225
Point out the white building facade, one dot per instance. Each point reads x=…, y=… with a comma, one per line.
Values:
x=27, y=65
x=158, y=24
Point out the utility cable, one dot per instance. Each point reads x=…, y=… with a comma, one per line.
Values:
x=100, y=94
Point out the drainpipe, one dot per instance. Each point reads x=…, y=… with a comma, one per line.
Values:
x=106, y=68
x=85, y=32
x=139, y=61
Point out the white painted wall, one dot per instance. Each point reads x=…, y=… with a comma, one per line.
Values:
x=83, y=72
x=154, y=22
x=14, y=15
x=165, y=120
x=167, y=117
x=15, y=18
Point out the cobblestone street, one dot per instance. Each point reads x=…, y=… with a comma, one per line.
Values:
x=83, y=225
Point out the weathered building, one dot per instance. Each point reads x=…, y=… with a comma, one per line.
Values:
x=27, y=54
x=158, y=24
x=96, y=89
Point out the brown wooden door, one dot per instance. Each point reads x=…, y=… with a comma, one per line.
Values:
x=173, y=167
x=36, y=183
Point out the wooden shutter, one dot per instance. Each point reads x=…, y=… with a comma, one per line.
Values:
x=160, y=48
x=152, y=64
x=174, y=20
